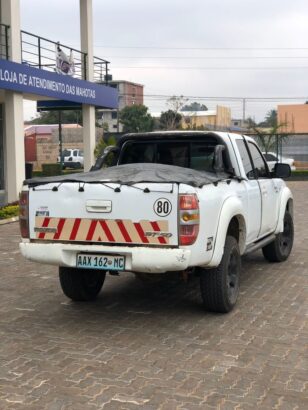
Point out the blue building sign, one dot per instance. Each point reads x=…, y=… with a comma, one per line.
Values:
x=26, y=79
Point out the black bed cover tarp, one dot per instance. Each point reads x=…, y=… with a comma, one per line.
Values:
x=131, y=174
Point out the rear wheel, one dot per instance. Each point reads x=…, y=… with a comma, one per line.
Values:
x=280, y=249
x=220, y=286
x=81, y=284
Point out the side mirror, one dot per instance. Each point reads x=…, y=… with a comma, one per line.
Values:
x=281, y=170
x=107, y=159
x=218, y=159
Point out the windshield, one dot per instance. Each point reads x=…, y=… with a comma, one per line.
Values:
x=66, y=153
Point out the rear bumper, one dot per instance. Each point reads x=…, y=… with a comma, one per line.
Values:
x=138, y=259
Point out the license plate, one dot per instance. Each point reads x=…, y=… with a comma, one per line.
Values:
x=97, y=261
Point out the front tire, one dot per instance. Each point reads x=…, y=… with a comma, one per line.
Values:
x=81, y=284
x=220, y=286
x=280, y=249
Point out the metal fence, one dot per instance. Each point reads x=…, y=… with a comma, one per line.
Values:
x=286, y=146
x=296, y=147
x=40, y=52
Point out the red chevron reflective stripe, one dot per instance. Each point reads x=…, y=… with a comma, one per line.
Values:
x=44, y=225
x=102, y=230
x=124, y=231
x=141, y=233
x=157, y=229
x=59, y=228
x=91, y=230
x=75, y=229
x=107, y=231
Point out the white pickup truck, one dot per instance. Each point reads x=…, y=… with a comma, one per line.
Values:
x=190, y=202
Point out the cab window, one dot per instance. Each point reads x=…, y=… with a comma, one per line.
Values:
x=258, y=161
x=248, y=168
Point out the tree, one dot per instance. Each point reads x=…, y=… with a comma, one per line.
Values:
x=251, y=123
x=135, y=118
x=52, y=117
x=272, y=139
x=194, y=106
x=170, y=120
x=102, y=144
x=270, y=119
x=176, y=103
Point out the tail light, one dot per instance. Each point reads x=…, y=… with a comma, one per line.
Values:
x=189, y=219
x=24, y=214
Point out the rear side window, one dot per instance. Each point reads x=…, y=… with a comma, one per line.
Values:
x=258, y=166
x=245, y=159
x=258, y=161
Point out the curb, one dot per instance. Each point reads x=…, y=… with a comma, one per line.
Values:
x=9, y=220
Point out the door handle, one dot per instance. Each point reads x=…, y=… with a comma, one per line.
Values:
x=98, y=206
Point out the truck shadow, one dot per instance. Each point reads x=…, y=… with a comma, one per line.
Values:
x=127, y=295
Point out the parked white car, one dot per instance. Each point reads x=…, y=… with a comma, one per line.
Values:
x=72, y=158
x=271, y=159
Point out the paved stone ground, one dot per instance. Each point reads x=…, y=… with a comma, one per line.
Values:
x=153, y=347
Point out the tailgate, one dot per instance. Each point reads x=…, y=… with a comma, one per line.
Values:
x=143, y=214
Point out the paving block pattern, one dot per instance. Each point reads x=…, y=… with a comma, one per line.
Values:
x=152, y=346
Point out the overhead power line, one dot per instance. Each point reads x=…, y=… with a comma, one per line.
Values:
x=209, y=58
x=200, y=48
x=208, y=68
x=221, y=98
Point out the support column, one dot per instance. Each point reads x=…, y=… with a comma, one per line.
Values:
x=14, y=145
x=88, y=118
x=88, y=111
x=13, y=109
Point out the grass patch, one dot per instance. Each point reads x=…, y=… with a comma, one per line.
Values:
x=300, y=172
x=9, y=211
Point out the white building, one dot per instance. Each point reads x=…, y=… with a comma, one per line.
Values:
x=21, y=79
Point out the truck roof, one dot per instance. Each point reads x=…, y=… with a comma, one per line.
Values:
x=172, y=135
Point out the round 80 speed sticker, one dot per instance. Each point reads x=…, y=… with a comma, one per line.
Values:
x=162, y=207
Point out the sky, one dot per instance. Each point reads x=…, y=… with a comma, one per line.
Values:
x=210, y=51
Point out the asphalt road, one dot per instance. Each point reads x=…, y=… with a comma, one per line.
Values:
x=152, y=346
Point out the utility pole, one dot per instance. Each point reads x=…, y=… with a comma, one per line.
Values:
x=244, y=110
x=60, y=139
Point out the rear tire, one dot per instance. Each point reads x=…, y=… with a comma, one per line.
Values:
x=280, y=249
x=220, y=286
x=81, y=284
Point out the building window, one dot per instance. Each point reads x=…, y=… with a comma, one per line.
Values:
x=114, y=115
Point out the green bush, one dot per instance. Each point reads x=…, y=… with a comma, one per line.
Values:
x=49, y=170
x=9, y=211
